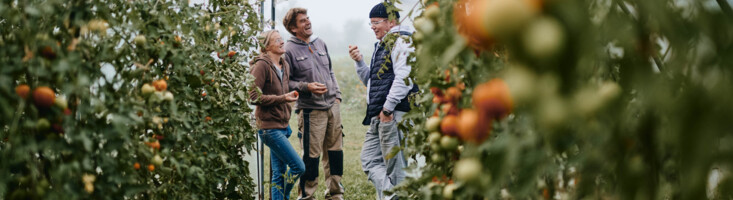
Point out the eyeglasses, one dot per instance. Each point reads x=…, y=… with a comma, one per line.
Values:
x=265, y=38
x=377, y=22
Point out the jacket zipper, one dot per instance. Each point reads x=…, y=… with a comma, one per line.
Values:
x=280, y=77
x=282, y=86
x=318, y=71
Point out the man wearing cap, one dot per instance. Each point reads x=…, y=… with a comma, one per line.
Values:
x=387, y=98
x=319, y=118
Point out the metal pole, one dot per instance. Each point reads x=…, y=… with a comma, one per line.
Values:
x=262, y=153
x=260, y=167
x=260, y=145
x=272, y=23
x=260, y=187
x=262, y=14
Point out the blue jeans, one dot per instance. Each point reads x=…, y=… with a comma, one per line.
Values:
x=379, y=141
x=282, y=156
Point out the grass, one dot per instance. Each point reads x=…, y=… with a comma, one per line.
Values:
x=353, y=93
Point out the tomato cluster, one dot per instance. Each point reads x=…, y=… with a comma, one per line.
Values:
x=491, y=101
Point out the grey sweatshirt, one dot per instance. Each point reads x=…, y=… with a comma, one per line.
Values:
x=310, y=62
x=399, y=54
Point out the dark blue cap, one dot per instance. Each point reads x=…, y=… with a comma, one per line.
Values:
x=380, y=11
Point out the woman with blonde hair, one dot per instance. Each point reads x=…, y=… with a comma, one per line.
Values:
x=271, y=74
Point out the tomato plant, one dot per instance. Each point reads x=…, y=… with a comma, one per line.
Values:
x=101, y=85
x=570, y=99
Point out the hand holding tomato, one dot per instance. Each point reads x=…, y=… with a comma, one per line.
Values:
x=291, y=96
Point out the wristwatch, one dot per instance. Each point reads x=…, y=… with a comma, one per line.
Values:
x=386, y=112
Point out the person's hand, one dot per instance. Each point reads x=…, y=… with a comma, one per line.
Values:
x=291, y=96
x=384, y=118
x=317, y=88
x=354, y=53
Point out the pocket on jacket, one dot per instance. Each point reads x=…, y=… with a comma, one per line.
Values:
x=303, y=68
x=303, y=63
x=323, y=57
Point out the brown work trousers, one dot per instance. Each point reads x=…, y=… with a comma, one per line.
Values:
x=320, y=133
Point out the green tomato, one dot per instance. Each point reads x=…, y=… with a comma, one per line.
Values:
x=140, y=40
x=168, y=96
x=448, y=191
x=467, y=170
x=544, y=38
x=43, y=183
x=41, y=188
x=436, y=147
x=157, y=96
x=432, y=12
x=418, y=36
x=40, y=191
x=147, y=89
x=157, y=160
x=449, y=143
x=434, y=137
x=437, y=158
x=43, y=124
x=61, y=103
x=432, y=124
x=424, y=25
x=504, y=18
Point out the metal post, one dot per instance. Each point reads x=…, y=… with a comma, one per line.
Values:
x=262, y=14
x=260, y=167
x=260, y=161
x=260, y=145
x=272, y=22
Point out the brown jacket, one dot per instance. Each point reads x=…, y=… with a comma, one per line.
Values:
x=273, y=112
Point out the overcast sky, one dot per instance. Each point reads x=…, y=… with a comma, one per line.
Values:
x=337, y=22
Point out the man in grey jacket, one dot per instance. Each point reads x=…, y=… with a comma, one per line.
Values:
x=319, y=118
x=387, y=99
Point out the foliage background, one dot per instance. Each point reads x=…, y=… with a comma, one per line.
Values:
x=110, y=119
x=658, y=137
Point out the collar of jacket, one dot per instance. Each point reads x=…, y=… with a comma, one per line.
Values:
x=399, y=28
x=265, y=57
x=297, y=40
